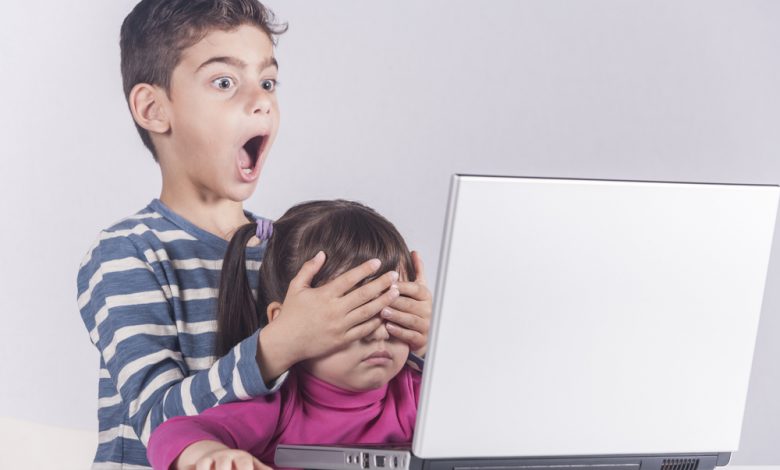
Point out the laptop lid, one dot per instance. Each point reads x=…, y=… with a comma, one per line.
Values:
x=584, y=317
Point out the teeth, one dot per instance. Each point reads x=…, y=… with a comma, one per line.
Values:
x=247, y=171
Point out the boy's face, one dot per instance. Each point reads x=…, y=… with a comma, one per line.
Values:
x=223, y=114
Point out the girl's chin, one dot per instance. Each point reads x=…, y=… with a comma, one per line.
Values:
x=370, y=381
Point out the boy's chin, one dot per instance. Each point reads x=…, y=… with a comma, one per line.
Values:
x=242, y=192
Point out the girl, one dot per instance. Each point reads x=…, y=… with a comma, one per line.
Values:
x=362, y=393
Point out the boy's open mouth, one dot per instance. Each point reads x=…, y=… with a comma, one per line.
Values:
x=250, y=155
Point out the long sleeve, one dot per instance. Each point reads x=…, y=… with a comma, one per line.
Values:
x=249, y=425
x=132, y=311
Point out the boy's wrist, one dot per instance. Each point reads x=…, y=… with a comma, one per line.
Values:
x=274, y=354
x=415, y=361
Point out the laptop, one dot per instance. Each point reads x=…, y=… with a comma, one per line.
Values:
x=585, y=325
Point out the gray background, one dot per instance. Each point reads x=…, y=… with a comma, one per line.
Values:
x=381, y=102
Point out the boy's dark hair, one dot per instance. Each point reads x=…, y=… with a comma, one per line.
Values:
x=348, y=232
x=156, y=32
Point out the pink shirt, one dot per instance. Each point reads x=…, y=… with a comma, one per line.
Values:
x=305, y=411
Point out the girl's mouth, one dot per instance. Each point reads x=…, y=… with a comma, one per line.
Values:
x=379, y=357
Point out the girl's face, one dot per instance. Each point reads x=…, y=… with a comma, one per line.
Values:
x=365, y=364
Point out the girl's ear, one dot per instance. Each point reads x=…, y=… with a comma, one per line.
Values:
x=274, y=309
x=147, y=104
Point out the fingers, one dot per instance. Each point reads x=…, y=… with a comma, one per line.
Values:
x=206, y=463
x=419, y=268
x=364, y=329
x=414, y=339
x=226, y=463
x=365, y=311
x=414, y=291
x=307, y=272
x=406, y=304
x=405, y=320
x=243, y=461
x=230, y=459
x=370, y=291
x=346, y=281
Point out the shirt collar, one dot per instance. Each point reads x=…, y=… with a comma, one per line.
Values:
x=319, y=392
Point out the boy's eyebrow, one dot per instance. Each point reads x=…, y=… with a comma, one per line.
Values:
x=238, y=63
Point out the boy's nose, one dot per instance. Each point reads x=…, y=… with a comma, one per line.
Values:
x=261, y=102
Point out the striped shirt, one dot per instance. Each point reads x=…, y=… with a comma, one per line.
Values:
x=147, y=294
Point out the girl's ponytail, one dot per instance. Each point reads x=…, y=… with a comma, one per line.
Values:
x=237, y=315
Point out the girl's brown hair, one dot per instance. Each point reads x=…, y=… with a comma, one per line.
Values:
x=348, y=232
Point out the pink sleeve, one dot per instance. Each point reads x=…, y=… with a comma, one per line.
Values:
x=247, y=425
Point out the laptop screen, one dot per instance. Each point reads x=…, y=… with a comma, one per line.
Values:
x=582, y=317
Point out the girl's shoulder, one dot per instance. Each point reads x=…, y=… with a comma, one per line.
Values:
x=290, y=398
x=408, y=372
x=404, y=393
x=407, y=382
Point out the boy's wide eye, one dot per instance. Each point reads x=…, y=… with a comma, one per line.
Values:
x=223, y=83
x=268, y=85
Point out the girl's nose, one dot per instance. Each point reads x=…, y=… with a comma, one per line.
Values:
x=380, y=334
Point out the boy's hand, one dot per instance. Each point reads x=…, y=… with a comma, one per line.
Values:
x=317, y=321
x=210, y=455
x=410, y=314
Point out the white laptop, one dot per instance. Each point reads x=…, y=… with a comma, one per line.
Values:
x=586, y=325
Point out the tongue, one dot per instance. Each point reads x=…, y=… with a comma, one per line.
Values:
x=244, y=160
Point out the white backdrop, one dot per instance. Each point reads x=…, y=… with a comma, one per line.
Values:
x=381, y=101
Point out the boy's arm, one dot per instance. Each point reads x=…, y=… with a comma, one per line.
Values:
x=130, y=319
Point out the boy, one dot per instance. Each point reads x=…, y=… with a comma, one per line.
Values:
x=199, y=77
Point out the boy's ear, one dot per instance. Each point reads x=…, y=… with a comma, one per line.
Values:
x=274, y=309
x=147, y=105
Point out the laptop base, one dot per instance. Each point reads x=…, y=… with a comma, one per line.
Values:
x=401, y=458
x=665, y=462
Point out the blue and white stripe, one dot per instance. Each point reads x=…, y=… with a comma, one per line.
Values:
x=147, y=294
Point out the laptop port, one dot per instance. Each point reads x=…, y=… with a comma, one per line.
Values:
x=379, y=461
x=395, y=461
x=364, y=459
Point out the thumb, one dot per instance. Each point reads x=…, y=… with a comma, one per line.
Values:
x=303, y=279
x=419, y=269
